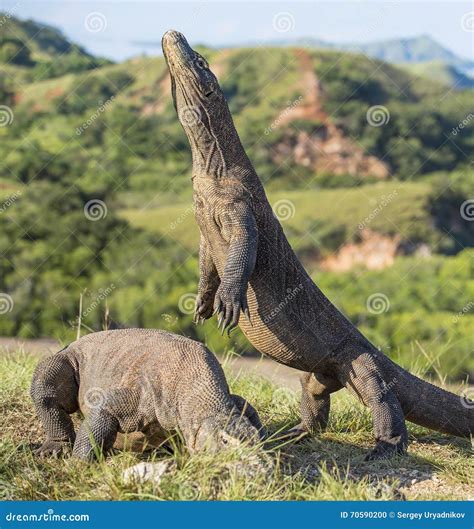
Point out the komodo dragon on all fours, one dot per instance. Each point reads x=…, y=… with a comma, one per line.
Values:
x=138, y=380
x=246, y=264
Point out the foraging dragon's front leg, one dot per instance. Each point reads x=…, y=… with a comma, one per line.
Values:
x=239, y=229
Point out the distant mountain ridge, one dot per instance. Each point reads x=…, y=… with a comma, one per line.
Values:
x=398, y=51
x=449, y=68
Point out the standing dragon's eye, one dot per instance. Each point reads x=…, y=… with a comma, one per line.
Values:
x=201, y=63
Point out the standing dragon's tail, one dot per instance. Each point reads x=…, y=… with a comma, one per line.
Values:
x=428, y=405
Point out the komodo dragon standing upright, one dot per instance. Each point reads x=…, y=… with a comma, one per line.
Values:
x=246, y=264
x=138, y=380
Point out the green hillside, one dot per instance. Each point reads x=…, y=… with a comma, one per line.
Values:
x=30, y=50
x=107, y=135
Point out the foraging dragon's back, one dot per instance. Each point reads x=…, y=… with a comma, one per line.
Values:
x=137, y=380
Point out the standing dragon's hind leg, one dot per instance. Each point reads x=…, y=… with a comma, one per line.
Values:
x=315, y=400
x=362, y=376
x=316, y=390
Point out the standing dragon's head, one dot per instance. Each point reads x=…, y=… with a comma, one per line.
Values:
x=193, y=83
x=202, y=108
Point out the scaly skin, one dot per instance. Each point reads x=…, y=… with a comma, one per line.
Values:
x=138, y=380
x=248, y=266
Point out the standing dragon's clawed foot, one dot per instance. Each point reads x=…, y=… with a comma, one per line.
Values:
x=203, y=308
x=228, y=303
x=385, y=450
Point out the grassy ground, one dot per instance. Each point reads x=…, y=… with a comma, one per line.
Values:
x=329, y=467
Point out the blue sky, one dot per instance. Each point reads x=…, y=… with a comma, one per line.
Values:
x=121, y=23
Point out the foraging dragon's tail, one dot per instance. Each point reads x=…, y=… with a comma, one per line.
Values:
x=430, y=406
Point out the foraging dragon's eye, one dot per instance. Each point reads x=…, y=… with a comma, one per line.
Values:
x=201, y=63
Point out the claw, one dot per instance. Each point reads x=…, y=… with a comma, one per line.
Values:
x=247, y=315
x=220, y=305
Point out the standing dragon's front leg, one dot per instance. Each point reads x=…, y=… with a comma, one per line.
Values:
x=208, y=284
x=239, y=230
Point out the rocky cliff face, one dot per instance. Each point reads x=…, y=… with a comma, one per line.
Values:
x=325, y=149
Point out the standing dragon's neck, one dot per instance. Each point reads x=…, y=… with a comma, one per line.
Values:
x=216, y=148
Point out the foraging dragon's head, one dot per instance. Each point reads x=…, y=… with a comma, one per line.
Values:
x=225, y=432
x=202, y=108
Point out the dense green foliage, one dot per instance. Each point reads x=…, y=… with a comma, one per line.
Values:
x=66, y=250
